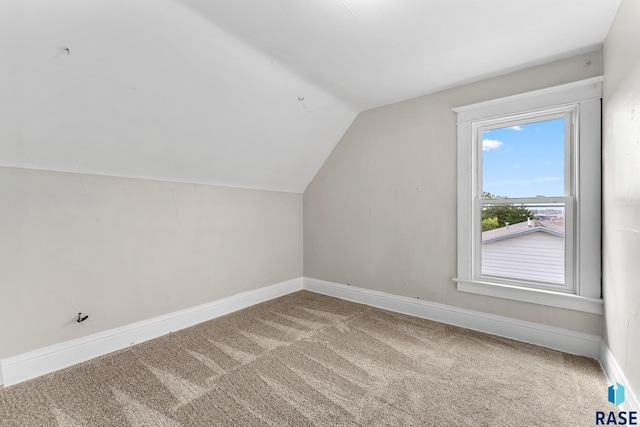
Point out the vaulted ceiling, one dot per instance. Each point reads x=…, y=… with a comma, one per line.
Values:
x=247, y=93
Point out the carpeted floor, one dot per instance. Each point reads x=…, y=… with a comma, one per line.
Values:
x=308, y=359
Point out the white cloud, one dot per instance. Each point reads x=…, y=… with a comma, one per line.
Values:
x=515, y=128
x=490, y=144
x=547, y=178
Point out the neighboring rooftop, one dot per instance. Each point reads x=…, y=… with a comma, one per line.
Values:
x=556, y=228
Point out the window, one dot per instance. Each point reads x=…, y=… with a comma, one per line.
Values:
x=525, y=198
x=529, y=197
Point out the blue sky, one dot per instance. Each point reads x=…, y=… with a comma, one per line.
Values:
x=524, y=161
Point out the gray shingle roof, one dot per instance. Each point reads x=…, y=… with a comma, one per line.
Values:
x=556, y=228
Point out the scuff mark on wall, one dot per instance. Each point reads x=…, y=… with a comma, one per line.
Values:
x=84, y=186
x=632, y=316
x=354, y=16
x=300, y=99
x=630, y=230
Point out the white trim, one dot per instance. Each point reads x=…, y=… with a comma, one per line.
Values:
x=546, y=336
x=533, y=100
x=58, y=356
x=614, y=374
x=533, y=296
x=589, y=182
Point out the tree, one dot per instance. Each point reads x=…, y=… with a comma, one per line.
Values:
x=490, y=223
x=496, y=216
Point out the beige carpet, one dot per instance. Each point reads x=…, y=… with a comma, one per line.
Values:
x=307, y=359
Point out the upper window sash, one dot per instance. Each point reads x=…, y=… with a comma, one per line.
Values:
x=570, y=114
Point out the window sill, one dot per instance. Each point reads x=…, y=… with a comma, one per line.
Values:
x=533, y=296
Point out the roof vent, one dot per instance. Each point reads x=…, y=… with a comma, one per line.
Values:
x=506, y=224
x=528, y=222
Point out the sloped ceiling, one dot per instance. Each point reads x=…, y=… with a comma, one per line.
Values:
x=247, y=93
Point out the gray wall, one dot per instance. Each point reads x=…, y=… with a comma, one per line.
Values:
x=621, y=191
x=124, y=250
x=381, y=212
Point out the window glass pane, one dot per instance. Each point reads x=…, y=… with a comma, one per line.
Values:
x=524, y=242
x=525, y=160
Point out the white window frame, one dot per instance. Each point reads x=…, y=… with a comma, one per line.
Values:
x=580, y=103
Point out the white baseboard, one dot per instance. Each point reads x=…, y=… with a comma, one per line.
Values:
x=614, y=374
x=546, y=336
x=39, y=362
